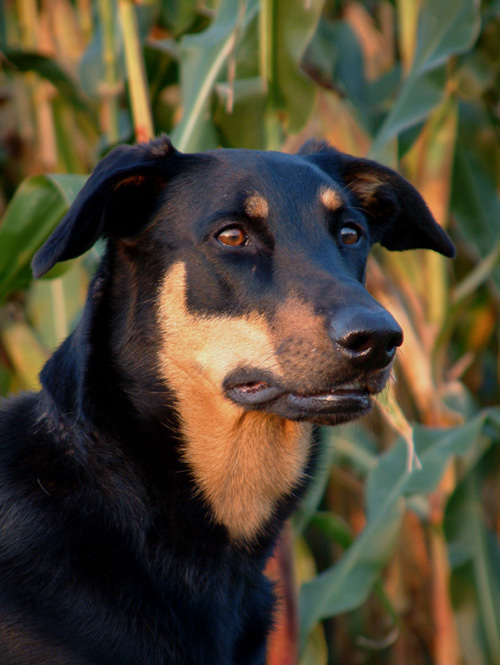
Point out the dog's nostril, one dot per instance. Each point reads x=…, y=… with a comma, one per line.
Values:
x=393, y=342
x=358, y=343
x=370, y=349
x=366, y=338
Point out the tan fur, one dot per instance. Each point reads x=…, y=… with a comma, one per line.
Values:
x=242, y=461
x=330, y=198
x=302, y=340
x=365, y=185
x=256, y=206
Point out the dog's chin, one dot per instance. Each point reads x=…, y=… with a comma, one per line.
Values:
x=335, y=405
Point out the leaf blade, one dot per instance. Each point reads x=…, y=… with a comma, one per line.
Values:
x=37, y=207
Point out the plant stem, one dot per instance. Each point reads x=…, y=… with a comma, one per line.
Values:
x=137, y=83
x=267, y=26
x=408, y=20
x=110, y=110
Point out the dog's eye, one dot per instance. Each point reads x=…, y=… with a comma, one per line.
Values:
x=234, y=236
x=349, y=234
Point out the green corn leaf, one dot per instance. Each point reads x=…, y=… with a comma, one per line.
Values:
x=309, y=504
x=347, y=584
x=37, y=207
x=474, y=197
x=47, y=68
x=475, y=582
x=334, y=527
x=336, y=445
x=444, y=29
x=203, y=57
x=286, y=28
x=335, y=53
x=437, y=446
x=179, y=15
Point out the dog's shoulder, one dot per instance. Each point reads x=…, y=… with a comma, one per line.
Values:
x=26, y=451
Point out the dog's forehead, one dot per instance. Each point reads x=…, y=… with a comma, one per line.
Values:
x=274, y=170
x=262, y=181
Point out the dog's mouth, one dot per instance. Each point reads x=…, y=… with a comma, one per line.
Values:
x=338, y=403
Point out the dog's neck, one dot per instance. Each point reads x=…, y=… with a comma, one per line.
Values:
x=244, y=463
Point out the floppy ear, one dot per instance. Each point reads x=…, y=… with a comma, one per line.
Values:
x=398, y=216
x=117, y=199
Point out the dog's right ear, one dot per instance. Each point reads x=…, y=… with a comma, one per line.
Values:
x=398, y=217
x=117, y=199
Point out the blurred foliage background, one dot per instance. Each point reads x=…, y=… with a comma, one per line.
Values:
x=398, y=543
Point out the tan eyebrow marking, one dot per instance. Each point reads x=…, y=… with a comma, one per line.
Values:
x=256, y=206
x=330, y=198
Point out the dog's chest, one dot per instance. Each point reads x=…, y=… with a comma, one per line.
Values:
x=212, y=617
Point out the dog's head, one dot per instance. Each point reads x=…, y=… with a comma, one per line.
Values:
x=259, y=263
x=233, y=285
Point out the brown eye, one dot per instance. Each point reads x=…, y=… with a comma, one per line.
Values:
x=349, y=234
x=234, y=236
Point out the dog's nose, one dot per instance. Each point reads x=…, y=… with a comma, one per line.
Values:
x=368, y=339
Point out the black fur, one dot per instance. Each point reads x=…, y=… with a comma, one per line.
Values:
x=109, y=554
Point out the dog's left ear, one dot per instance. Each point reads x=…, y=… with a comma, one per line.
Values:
x=117, y=200
x=398, y=216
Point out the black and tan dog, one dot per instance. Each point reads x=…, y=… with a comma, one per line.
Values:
x=142, y=489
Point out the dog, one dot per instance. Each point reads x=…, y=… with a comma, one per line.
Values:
x=143, y=488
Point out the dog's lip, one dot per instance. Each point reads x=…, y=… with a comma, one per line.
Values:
x=352, y=396
x=254, y=393
x=334, y=394
x=342, y=400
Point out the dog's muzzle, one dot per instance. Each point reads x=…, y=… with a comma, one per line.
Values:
x=363, y=348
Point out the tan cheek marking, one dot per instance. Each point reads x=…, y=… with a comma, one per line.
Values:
x=243, y=462
x=296, y=315
x=302, y=341
x=256, y=206
x=330, y=199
